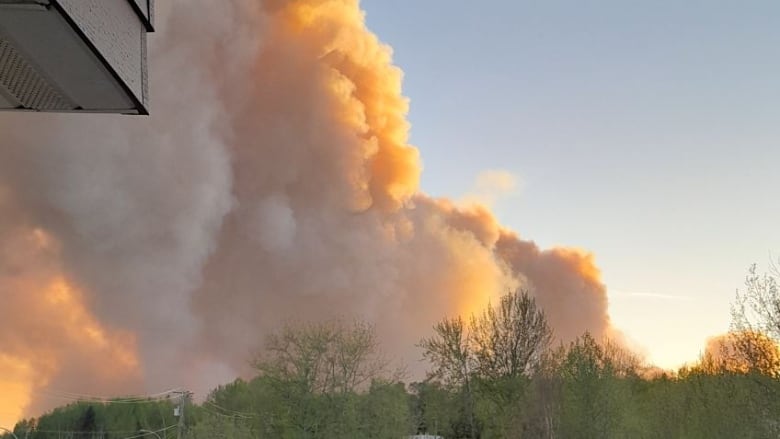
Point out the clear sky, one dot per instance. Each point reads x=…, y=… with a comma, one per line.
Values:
x=646, y=132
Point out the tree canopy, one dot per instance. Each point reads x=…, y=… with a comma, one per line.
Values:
x=497, y=374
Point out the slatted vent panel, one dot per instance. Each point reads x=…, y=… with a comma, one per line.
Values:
x=24, y=83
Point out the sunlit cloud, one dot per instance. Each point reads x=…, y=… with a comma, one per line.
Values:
x=491, y=186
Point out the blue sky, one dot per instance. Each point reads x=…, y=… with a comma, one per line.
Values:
x=645, y=132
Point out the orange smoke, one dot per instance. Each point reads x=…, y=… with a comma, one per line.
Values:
x=582, y=261
x=274, y=181
x=47, y=327
x=366, y=89
x=741, y=352
x=567, y=284
x=79, y=325
x=16, y=387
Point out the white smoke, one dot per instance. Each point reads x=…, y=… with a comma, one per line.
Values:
x=272, y=182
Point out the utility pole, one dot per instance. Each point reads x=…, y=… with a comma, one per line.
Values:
x=178, y=411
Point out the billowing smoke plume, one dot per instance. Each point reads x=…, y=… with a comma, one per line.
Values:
x=272, y=182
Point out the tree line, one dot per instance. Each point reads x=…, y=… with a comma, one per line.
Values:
x=497, y=374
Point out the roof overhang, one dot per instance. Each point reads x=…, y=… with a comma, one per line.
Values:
x=75, y=55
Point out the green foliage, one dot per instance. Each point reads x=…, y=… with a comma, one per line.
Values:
x=217, y=426
x=434, y=408
x=268, y=408
x=496, y=378
x=589, y=388
x=323, y=380
x=592, y=390
x=88, y=420
x=385, y=411
x=490, y=364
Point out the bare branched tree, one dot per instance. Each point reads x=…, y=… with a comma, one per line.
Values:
x=757, y=308
x=449, y=353
x=330, y=357
x=509, y=339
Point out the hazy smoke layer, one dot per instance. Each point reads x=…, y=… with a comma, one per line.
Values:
x=272, y=182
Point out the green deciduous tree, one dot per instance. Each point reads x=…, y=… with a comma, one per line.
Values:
x=596, y=383
x=327, y=380
x=213, y=426
x=450, y=353
x=491, y=362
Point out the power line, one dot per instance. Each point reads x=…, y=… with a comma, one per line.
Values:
x=224, y=416
x=35, y=430
x=131, y=399
x=221, y=415
x=88, y=396
x=232, y=413
x=107, y=401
